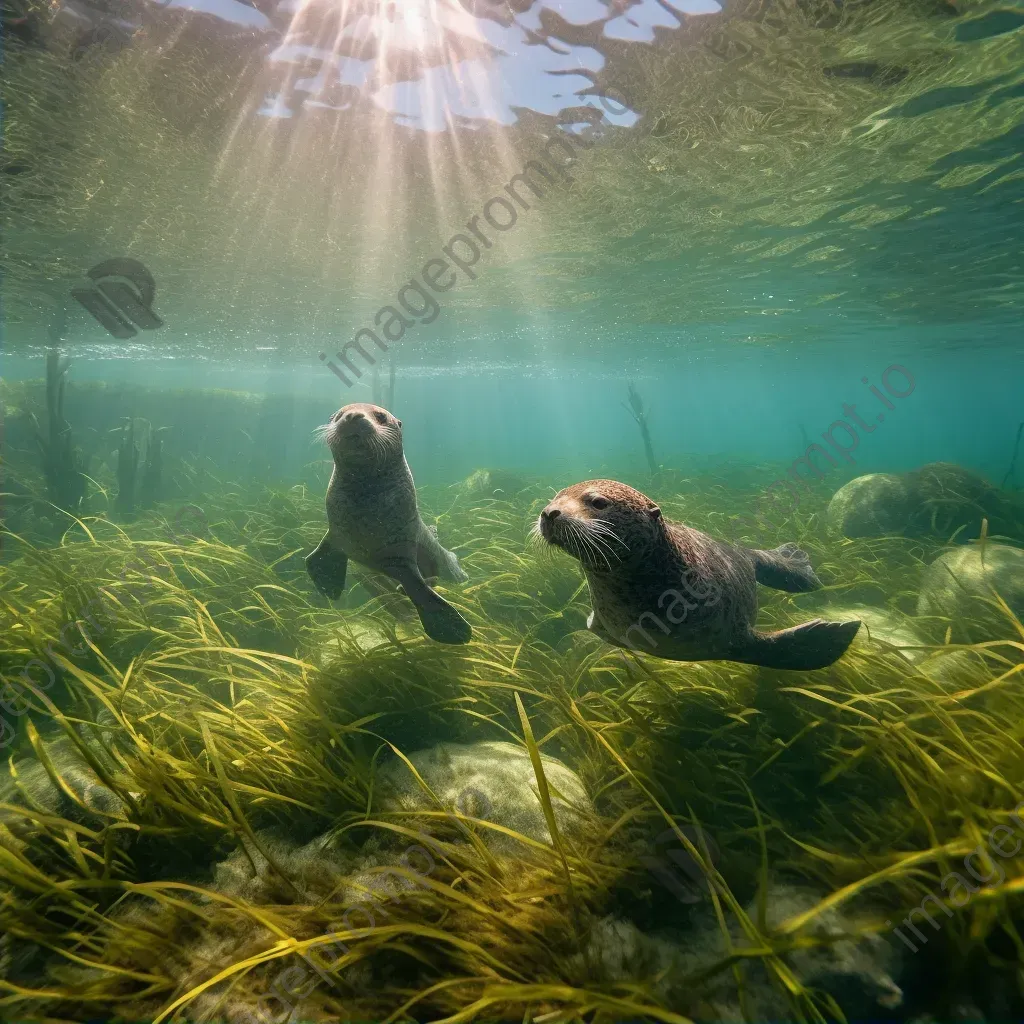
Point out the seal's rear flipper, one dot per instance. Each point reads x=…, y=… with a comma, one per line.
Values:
x=327, y=567
x=441, y=621
x=786, y=567
x=811, y=645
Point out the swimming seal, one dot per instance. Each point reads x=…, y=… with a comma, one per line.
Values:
x=373, y=518
x=638, y=565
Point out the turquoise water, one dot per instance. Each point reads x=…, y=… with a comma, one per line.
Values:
x=740, y=404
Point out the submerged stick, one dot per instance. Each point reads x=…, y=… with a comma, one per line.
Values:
x=63, y=466
x=384, y=395
x=1011, y=472
x=637, y=411
x=127, y=468
x=152, y=474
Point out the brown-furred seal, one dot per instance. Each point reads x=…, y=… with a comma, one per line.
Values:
x=373, y=518
x=639, y=565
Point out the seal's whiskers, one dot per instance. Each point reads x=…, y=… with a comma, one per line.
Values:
x=378, y=450
x=599, y=527
x=600, y=533
x=587, y=543
x=535, y=539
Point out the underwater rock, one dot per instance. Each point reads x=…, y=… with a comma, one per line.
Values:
x=875, y=505
x=880, y=628
x=958, y=586
x=617, y=951
x=945, y=498
x=492, y=483
x=365, y=634
x=858, y=972
x=312, y=871
x=31, y=786
x=493, y=781
x=940, y=499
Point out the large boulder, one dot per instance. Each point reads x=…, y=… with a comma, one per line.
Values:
x=357, y=634
x=493, y=781
x=946, y=498
x=959, y=590
x=880, y=630
x=858, y=969
x=84, y=798
x=940, y=499
x=875, y=505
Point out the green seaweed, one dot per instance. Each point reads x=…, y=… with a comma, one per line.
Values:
x=240, y=712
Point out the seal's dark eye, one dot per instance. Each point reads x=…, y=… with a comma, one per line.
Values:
x=599, y=503
x=380, y=417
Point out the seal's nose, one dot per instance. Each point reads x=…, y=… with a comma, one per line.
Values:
x=352, y=415
x=550, y=514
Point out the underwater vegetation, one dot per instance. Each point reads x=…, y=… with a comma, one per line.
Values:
x=226, y=799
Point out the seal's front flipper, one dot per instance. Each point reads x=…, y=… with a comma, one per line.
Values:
x=785, y=568
x=814, y=644
x=435, y=560
x=327, y=567
x=441, y=621
x=595, y=627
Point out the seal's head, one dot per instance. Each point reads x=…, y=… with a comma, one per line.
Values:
x=362, y=432
x=602, y=523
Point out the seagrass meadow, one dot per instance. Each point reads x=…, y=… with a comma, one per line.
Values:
x=195, y=827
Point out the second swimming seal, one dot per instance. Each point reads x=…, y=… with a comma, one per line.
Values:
x=373, y=518
x=638, y=565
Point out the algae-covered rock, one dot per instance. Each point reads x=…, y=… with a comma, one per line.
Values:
x=875, y=505
x=857, y=969
x=940, y=499
x=881, y=629
x=958, y=588
x=946, y=498
x=492, y=483
x=274, y=868
x=357, y=634
x=493, y=781
x=93, y=802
